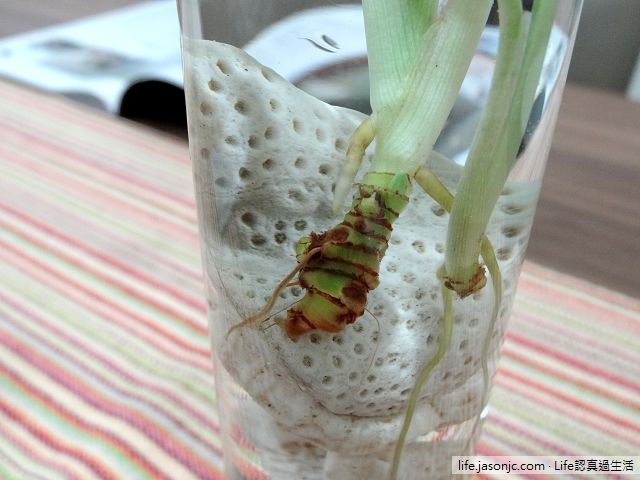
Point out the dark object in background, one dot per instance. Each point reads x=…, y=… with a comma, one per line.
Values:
x=493, y=16
x=158, y=104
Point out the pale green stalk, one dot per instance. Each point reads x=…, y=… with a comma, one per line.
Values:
x=395, y=38
x=407, y=130
x=398, y=27
x=498, y=137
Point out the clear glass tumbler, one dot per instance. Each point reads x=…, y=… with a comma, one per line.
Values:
x=366, y=178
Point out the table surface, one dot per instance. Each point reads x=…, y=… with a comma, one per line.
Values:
x=588, y=218
x=104, y=358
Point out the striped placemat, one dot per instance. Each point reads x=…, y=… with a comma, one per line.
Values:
x=104, y=357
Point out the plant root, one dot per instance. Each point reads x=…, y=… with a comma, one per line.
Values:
x=439, y=192
x=360, y=140
x=286, y=282
x=423, y=376
x=436, y=190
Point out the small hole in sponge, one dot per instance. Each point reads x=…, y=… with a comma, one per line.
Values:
x=214, y=86
x=206, y=109
x=221, y=182
x=273, y=103
x=248, y=219
x=244, y=173
x=409, y=277
x=223, y=67
x=511, y=209
x=511, y=231
x=267, y=164
x=269, y=133
x=267, y=74
x=503, y=254
x=258, y=240
x=438, y=211
x=418, y=246
x=295, y=195
x=240, y=107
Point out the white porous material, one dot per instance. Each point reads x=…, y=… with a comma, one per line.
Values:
x=266, y=156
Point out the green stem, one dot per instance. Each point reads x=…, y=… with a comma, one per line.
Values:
x=498, y=137
x=408, y=127
x=398, y=27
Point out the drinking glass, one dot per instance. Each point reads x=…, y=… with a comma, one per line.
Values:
x=395, y=383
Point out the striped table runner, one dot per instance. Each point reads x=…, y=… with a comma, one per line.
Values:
x=104, y=358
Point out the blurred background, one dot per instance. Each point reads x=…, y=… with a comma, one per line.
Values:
x=605, y=56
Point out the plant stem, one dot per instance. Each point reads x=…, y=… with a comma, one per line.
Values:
x=408, y=124
x=498, y=137
x=398, y=27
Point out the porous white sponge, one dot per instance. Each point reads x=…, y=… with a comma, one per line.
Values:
x=266, y=157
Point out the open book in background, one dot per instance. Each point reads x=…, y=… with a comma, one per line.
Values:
x=126, y=62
